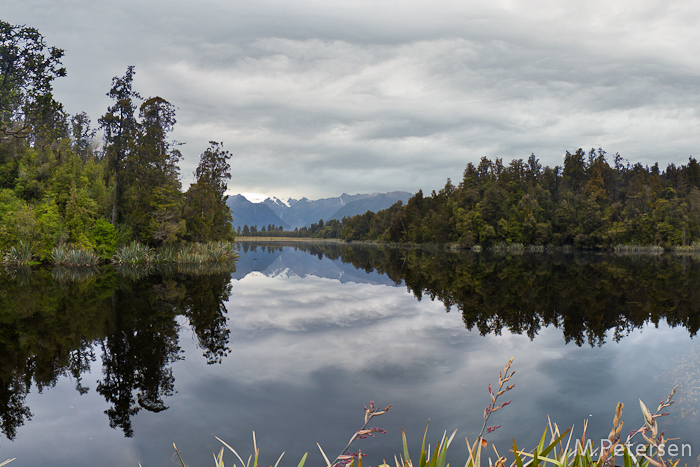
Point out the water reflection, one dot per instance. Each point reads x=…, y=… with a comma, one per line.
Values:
x=51, y=328
x=294, y=330
x=590, y=297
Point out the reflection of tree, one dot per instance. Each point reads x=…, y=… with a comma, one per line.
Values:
x=13, y=412
x=50, y=328
x=136, y=354
x=587, y=296
x=45, y=332
x=206, y=310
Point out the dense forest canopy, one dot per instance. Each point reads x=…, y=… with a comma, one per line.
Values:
x=591, y=202
x=59, y=184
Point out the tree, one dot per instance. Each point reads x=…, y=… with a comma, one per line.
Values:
x=207, y=215
x=120, y=127
x=27, y=68
x=152, y=186
x=82, y=136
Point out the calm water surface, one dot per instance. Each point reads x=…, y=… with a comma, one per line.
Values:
x=297, y=340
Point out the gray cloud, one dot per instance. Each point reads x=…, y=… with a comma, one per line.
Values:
x=316, y=98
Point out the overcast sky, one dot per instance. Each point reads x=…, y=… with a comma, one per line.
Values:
x=315, y=98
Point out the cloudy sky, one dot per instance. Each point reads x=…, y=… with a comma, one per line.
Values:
x=315, y=98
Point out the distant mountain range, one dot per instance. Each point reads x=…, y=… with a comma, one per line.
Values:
x=291, y=213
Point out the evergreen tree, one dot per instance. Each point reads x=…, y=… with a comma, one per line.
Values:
x=121, y=129
x=207, y=215
x=27, y=69
x=152, y=185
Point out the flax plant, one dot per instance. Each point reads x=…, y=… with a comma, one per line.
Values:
x=582, y=453
x=72, y=256
x=21, y=254
x=219, y=458
x=134, y=253
x=363, y=432
x=555, y=448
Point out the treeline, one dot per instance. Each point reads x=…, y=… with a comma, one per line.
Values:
x=321, y=229
x=61, y=184
x=588, y=203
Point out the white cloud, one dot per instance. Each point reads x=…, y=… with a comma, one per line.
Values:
x=316, y=98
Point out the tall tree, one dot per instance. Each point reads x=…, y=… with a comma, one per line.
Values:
x=207, y=215
x=152, y=185
x=120, y=127
x=82, y=136
x=27, y=68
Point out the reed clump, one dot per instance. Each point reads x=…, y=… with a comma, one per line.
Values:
x=134, y=253
x=210, y=252
x=188, y=253
x=66, y=255
x=555, y=448
x=20, y=254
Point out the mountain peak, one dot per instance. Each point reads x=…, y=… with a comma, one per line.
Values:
x=291, y=213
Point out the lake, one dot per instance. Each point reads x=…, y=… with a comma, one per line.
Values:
x=114, y=366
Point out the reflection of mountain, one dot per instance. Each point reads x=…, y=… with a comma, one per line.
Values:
x=591, y=298
x=272, y=261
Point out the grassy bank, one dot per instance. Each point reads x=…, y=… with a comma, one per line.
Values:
x=134, y=254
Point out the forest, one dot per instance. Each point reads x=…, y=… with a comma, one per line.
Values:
x=585, y=204
x=61, y=184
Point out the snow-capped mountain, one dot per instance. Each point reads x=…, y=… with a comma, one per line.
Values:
x=256, y=209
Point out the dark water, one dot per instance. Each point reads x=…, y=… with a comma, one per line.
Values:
x=112, y=367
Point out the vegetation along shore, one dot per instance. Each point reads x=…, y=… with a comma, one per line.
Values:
x=593, y=201
x=68, y=198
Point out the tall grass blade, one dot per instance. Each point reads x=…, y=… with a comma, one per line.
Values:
x=303, y=460
x=328, y=463
x=230, y=449
x=516, y=453
x=279, y=459
x=178, y=456
x=406, y=457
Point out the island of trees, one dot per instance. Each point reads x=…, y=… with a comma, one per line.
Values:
x=590, y=202
x=60, y=185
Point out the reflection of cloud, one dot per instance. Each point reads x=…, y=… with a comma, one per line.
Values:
x=308, y=352
x=281, y=321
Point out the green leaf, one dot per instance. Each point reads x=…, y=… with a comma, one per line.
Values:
x=518, y=460
x=433, y=458
x=405, y=446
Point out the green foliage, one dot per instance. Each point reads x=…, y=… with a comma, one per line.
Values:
x=189, y=253
x=28, y=67
x=208, y=218
x=104, y=238
x=57, y=186
x=586, y=204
